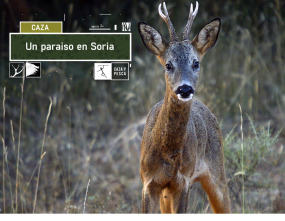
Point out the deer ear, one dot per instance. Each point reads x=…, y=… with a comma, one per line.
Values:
x=207, y=37
x=152, y=39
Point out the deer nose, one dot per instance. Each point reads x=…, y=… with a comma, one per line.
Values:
x=185, y=91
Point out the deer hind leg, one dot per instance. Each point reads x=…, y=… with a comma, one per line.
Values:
x=217, y=191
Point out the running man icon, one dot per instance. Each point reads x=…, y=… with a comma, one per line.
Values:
x=102, y=71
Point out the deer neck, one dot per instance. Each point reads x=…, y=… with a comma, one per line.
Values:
x=172, y=121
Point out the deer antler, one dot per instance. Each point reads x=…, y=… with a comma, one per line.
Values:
x=166, y=19
x=191, y=18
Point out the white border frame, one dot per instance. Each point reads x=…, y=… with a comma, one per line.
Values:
x=40, y=22
x=77, y=60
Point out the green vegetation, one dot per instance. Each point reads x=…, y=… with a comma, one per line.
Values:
x=256, y=154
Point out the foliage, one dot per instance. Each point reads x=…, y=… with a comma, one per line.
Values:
x=257, y=150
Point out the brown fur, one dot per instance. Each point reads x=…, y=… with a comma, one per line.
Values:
x=168, y=173
x=182, y=142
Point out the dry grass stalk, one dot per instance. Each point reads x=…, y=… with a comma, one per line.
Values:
x=84, y=205
x=3, y=141
x=42, y=154
x=19, y=144
x=241, y=123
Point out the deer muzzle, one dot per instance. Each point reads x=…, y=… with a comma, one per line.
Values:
x=185, y=92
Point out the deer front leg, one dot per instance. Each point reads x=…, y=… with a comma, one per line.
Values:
x=145, y=202
x=165, y=201
x=217, y=191
x=180, y=201
x=150, y=199
x=180, y=195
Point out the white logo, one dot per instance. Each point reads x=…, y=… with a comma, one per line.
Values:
x=16, y=69
x=126, y=26
x=33, y=69
x=102, y=71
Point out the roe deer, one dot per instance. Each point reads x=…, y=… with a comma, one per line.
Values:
x=182, y=142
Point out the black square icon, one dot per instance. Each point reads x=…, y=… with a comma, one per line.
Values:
x=120, y=71
x=16, y=69
x=33, y=69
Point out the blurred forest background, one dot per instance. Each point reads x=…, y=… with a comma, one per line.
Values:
x=91, y=140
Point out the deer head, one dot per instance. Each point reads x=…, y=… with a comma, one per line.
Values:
x=181, y=59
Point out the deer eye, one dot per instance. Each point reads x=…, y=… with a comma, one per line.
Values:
x=168, y=67
x=196, y=65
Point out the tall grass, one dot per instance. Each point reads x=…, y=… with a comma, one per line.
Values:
x=245, y=166
x=19, y=145
x=42, y=155
x=4, y=150
x=85, y=199
x=242, y=157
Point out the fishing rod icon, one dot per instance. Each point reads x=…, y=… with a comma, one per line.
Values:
x=101, y=69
